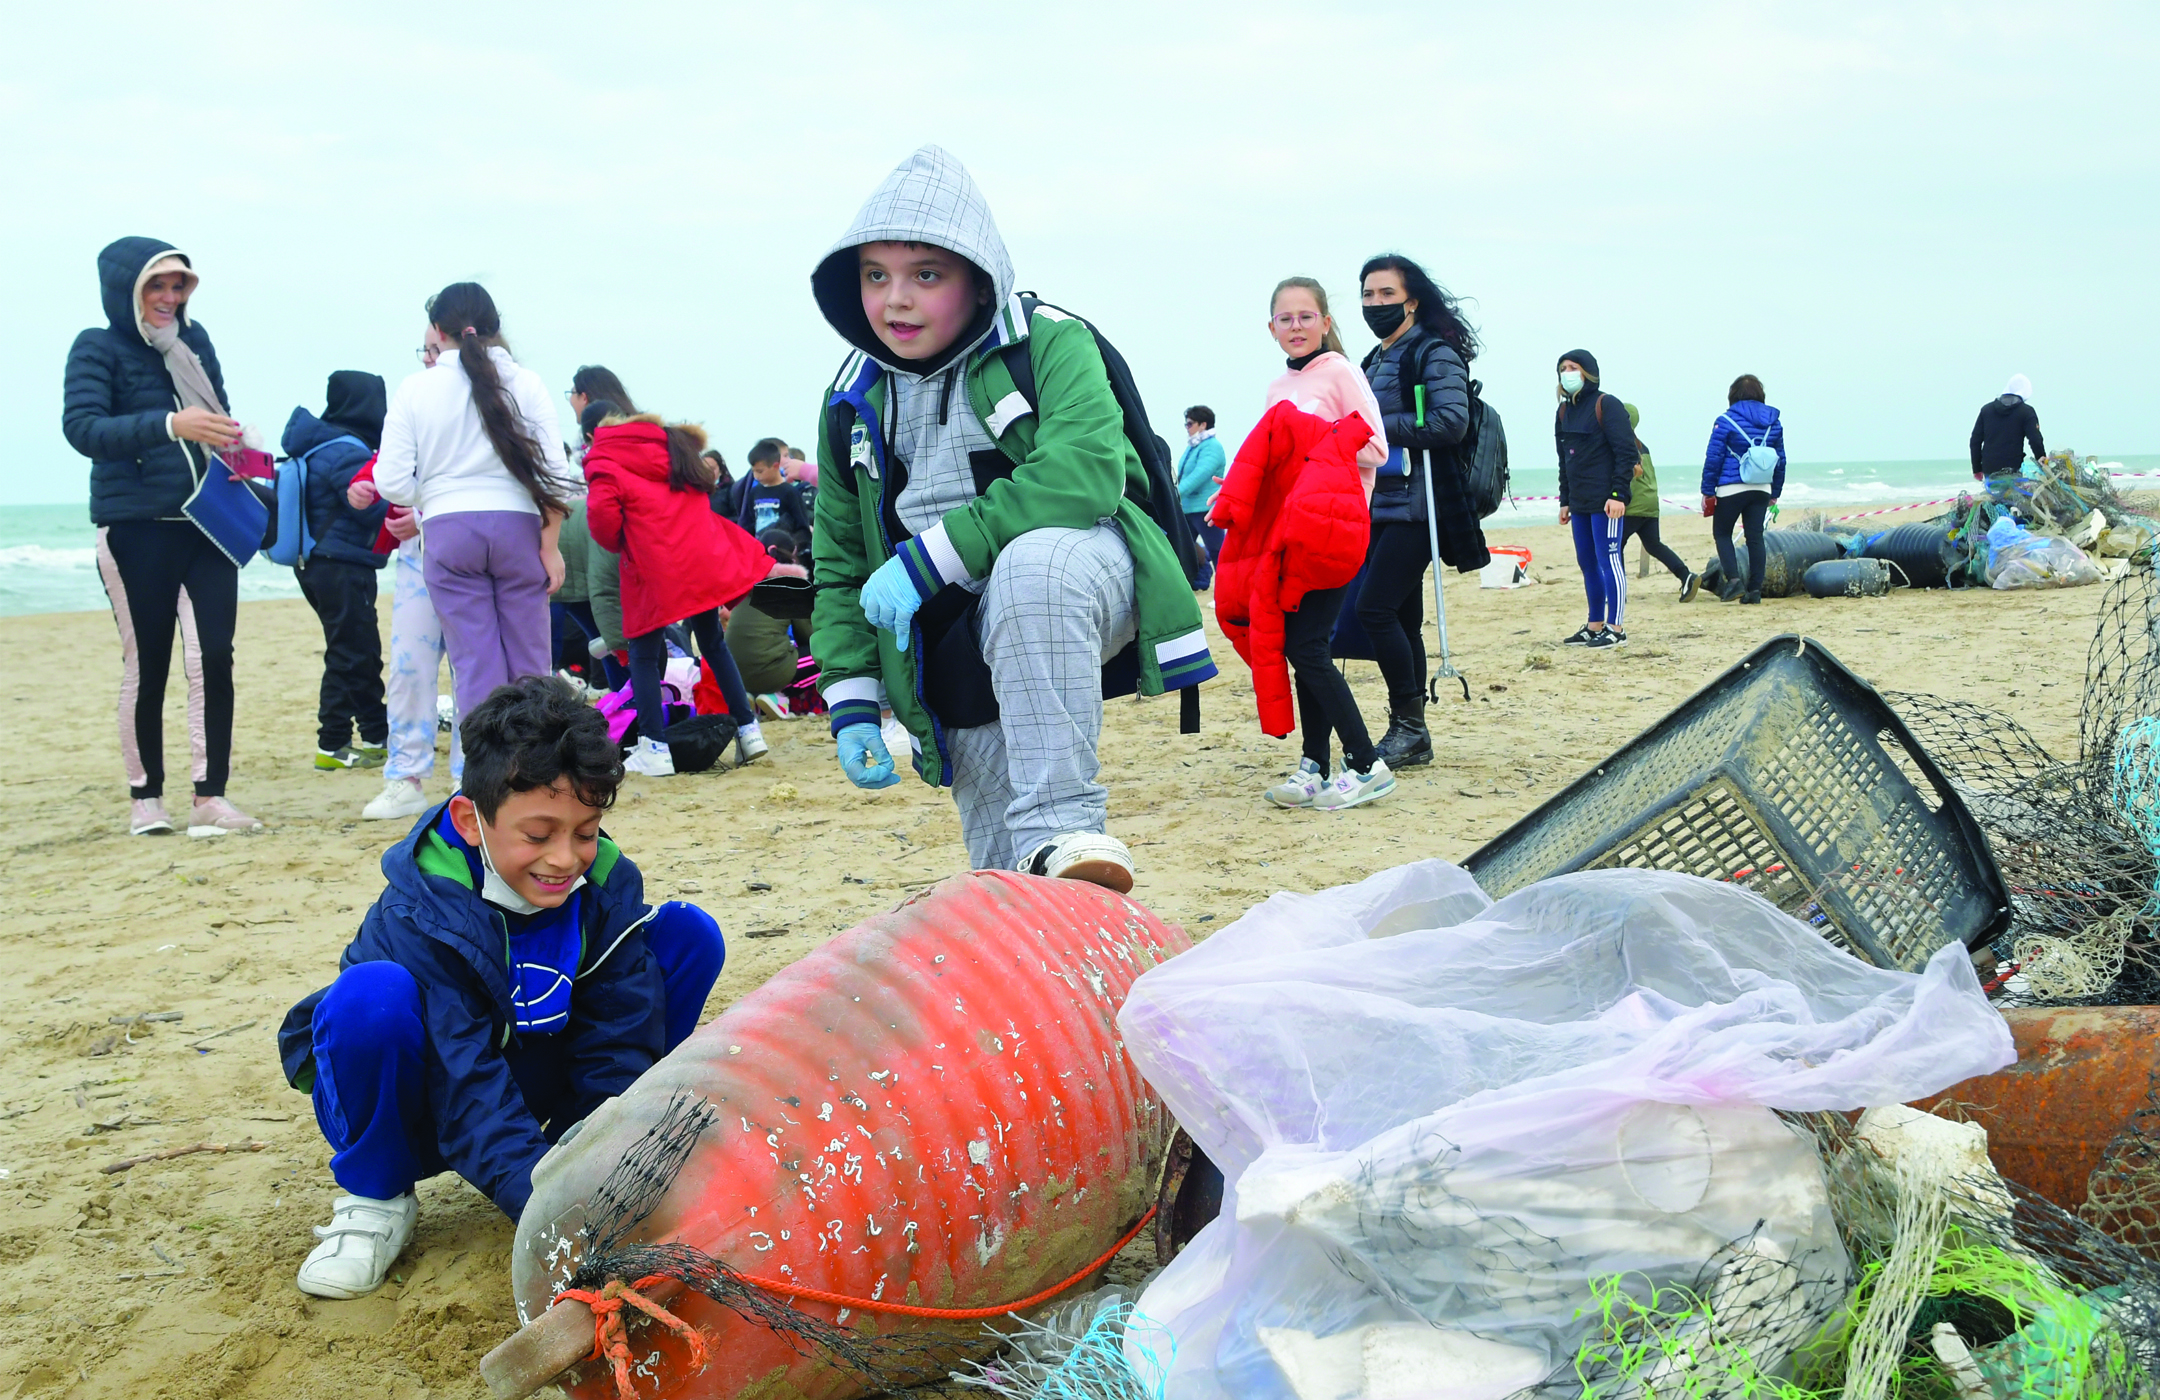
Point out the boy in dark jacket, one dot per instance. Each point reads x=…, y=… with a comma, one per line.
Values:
x=338, y=575
x=769, y=499
x=509, y=980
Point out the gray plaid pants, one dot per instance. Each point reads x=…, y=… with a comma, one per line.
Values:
x=1059, y=604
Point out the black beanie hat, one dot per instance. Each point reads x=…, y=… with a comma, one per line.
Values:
x=1582, y=357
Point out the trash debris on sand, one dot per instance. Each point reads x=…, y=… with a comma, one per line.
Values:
x=1790, y=776
x=924, y=1125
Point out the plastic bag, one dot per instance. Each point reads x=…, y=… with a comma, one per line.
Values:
x=2039, y=561
x=1442, y=1120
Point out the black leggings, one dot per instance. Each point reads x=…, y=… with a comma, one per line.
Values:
x=648, y=664
x=1391, y=609
x=343, y=596
x=153, y=571
x=1747, y=507
x=1646, y=526
x=1325, y=705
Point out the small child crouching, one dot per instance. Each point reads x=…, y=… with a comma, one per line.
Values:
x=508, y=981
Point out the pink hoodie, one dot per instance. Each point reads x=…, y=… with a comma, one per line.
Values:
x=1332, y=388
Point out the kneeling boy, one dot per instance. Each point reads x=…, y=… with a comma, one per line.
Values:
x=509, y=980
x=982, y=557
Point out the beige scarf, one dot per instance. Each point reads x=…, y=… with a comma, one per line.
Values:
x=188, y=374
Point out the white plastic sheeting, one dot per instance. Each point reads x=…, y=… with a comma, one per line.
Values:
x=1439, y=1117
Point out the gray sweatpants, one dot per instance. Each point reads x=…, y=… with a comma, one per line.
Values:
x=1059, y=603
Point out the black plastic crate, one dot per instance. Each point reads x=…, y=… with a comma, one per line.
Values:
x=1790, y=776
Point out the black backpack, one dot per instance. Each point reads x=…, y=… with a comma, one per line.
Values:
x=1482, y=455
x=1162, y=504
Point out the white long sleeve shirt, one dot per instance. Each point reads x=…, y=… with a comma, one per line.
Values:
x=435, y=451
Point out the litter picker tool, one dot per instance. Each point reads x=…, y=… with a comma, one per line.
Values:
x=1447, y=669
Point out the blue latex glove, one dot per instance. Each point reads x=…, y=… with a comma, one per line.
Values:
x=864, y=759
x=889, y=600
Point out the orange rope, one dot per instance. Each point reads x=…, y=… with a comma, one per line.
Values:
x=611, y=1342
x=793, y=1291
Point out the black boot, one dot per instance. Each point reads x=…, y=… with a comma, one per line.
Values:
x=1407, y=743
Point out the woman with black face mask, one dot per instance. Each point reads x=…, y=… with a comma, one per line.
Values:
x=1420, y=374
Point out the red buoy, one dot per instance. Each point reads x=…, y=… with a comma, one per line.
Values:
x=934, y=1109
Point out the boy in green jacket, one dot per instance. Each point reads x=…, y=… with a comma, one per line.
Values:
x=981, y=559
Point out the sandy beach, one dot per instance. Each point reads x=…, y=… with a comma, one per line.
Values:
x=175, y=1278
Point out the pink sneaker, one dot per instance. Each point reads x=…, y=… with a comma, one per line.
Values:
x=214, y=816
x=146, y=817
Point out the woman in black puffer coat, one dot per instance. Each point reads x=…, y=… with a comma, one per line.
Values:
x=145, y=403
x=1424, y=342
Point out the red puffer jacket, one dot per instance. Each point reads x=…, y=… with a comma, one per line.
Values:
x=1297, y=520
x=678, y=558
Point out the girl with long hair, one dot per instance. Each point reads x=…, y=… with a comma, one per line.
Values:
x=1420, y=375
x=1320, y=381
x=470, y=443
x=647, y=500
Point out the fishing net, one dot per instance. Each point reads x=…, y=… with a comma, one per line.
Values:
x=1094, y=1348
x=2063, y=492
x=2077, y=839
x=634, y=1188
x=1960, y=1289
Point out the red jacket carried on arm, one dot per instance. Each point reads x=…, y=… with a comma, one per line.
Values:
x=678, y=558
x=1295, y=511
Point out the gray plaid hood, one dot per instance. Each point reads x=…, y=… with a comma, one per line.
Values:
x=928, y=198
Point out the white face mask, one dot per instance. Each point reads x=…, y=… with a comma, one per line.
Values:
x=497, y=891
x=1571, y=381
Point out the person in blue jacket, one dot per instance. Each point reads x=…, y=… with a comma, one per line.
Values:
x=1730, y=488
x=1597, y=451
x=509, y=980
x=1199, y=476
x=338, y=575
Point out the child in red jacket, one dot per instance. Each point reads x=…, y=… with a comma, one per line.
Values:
x=1295, y=504
x=646, y=499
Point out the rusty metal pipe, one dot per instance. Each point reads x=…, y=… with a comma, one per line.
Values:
x=2082, y=1072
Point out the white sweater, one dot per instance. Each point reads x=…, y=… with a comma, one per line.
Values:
x=435, y=451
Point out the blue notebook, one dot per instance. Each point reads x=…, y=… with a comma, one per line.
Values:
x=233, y=516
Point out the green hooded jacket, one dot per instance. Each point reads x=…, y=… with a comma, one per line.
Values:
x=1642, y=500
x=1073, y=467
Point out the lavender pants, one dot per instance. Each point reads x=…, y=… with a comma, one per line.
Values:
x=484, y=576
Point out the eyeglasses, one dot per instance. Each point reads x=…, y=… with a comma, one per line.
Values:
x=569, y=393
x=1297, y=320
x=424, y=352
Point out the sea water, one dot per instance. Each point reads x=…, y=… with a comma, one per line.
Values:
x=48, y=563
x=48, y=553
x=1837, y=487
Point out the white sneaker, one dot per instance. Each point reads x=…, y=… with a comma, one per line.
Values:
x=358, y=1246
x=400, y=797
x=651, y=759
x=1350, y=787
x=750, y=744
x=773, y=705
x=1300, y=788
x=1083, y=855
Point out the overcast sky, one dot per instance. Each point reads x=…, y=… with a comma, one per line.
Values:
x=1883, y=210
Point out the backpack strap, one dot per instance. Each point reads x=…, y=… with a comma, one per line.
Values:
x=1727, y=420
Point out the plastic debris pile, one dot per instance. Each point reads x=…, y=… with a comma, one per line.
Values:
x=2077, y=840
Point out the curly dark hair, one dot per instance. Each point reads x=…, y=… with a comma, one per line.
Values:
x=1437, y=310
x=533, y=733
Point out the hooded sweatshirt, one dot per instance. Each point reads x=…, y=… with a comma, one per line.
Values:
x=941, y=462
x=340, y=443
x=120, y=397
